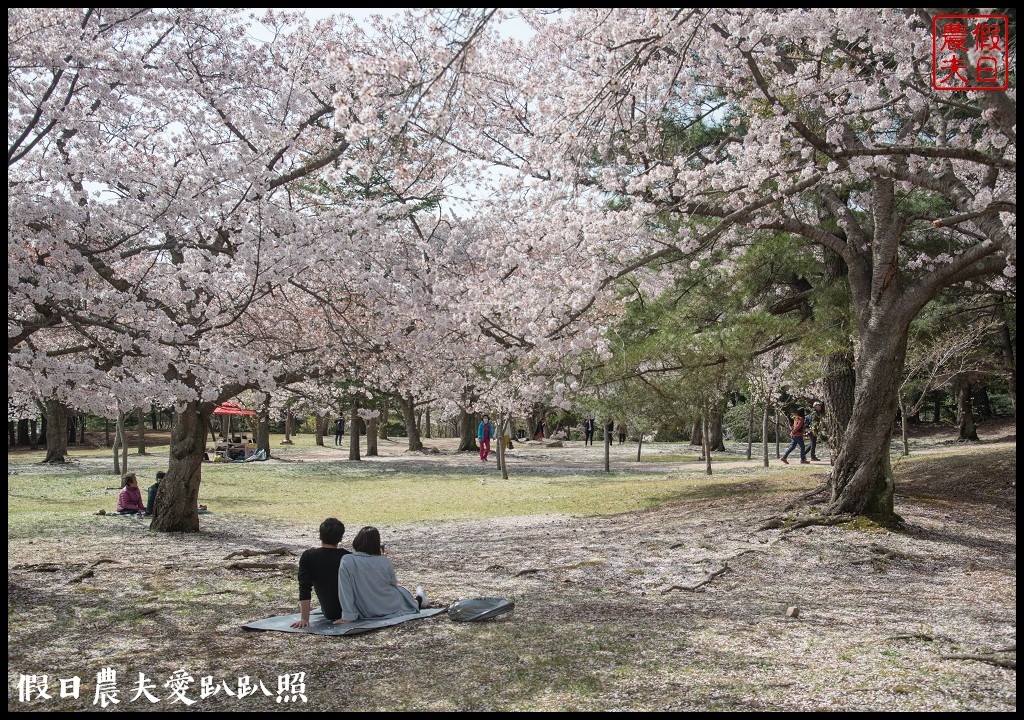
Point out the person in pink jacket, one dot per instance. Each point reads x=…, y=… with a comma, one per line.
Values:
x=129, y=501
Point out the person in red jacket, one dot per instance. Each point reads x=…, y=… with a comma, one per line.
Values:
x=797, y=438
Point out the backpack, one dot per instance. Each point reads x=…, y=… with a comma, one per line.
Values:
x=479, y=608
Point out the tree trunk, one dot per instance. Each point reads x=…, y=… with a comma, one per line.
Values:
x=697, y=433
x=982, y=403
x=764, y=433
x=321, y=426
x=607, y=446
x=639, y=444
x=778, y=450
x=467, y=432
x=106, y=432
x=56, y=439
x=965, y=412
x=750, y=431
x=1009, y=363
x=937, y=408
x=840, y=382
x=287, y=427
x=353, y=436
x=12, y=433
x=81, y=428
x=263, y=428
x=177, y=499
x=504, y=425
x=142, y=431
x=707, y=447
x=371, y=438
x=903, y=426
x=713, y=431
x=426, y=422
x=409, y=415
x=33, y=435
x=72, y=428
x=861, y=481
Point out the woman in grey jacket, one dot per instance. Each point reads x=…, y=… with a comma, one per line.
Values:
x=367, y=585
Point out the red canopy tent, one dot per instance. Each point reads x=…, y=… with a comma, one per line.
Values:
x=229, y=409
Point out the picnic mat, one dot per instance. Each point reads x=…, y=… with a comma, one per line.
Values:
x=319, y=625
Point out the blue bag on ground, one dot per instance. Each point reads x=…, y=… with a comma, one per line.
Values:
x=479, y=608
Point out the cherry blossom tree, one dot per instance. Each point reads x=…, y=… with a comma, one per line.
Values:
x=819, y=123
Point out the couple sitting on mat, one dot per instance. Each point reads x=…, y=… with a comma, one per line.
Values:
x=358, y=585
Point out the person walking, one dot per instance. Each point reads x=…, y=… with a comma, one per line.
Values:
x=588, y=431
x=813, y=427
x=622, y=432
x=797, y=438
x=339, y=430
x=484, y=432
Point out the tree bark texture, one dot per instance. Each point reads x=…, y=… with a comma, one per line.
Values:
x=861, y=482
x=56, y=441
x=467, y=432
x=353, y=436
x=371, y=438
x=263, y=430
x=409, y=415
x=177, y=499
x=965, y=411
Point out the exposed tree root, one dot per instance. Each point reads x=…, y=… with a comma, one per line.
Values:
x=1012, y=664
x=812, y=494
x=693, y=588
x=89, y=571
x=262, y=566
x=795, y=523
x=282, y=550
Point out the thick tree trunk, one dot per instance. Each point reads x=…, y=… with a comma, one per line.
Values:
x=426, y=422
x=321, y=427
x=861, y=482
x=177, y=499
x=409, y=415
x=23, y=436
x=715, y=435
x=840, y=381
x=263, y=428
x=697, y=433
x=353, y=436
x=467, y=432
x=33, y=435
x=371, y=438
x=965, y=412
x=56, y=440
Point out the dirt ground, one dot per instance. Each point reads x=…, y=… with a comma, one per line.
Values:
x=684, y=607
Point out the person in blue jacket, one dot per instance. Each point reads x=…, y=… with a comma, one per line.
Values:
x=484, y=433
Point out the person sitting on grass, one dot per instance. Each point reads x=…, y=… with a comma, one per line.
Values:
x=151, y=493
x=129, y=500
x=367, y=585
x=318, y=570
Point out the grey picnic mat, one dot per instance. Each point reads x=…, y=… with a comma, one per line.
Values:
x=319, y=625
